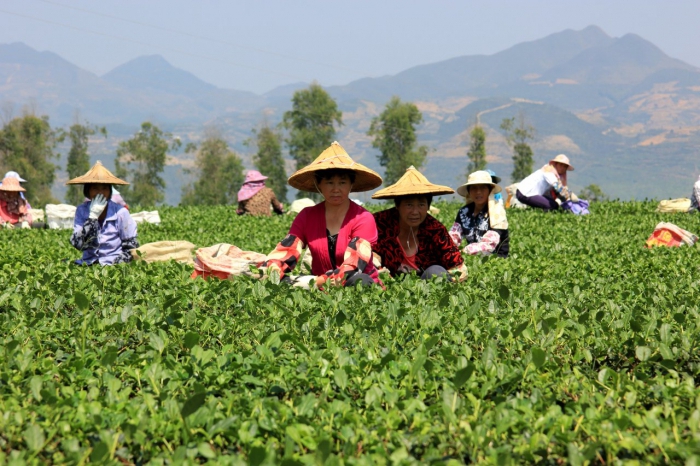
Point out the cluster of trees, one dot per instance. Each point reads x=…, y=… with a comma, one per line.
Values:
x=517, y=133
x=311, y=126
x=28, y=145
x=312, y=122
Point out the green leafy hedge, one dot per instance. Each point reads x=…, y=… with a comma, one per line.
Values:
x=580, y=348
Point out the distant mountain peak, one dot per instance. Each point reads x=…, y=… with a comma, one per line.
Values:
x=286, y=90
x=594, y=29
x=627, y=60
x=154, y=57
x=156, y=73
x=590, y=36
x=20, y=46
x=147, y=60
x=21, y=53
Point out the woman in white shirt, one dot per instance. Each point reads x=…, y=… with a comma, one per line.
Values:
x=695, y=197
x=541, y=189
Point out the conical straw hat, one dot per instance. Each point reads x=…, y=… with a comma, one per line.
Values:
x=478, y=177
x=561, y=158
x=98, y=174
x=334, y=157
x=412, y=182
x=11, y=184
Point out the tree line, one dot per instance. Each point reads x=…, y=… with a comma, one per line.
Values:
x=517, y=133
x=28, y=145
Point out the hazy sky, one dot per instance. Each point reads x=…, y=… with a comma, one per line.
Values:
x=258, y=45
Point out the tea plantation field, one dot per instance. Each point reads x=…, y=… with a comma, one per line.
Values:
x=582, y=348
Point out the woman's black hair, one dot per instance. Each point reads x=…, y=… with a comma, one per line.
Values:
x=427, y=197
x=86, y=190
x=331, y=172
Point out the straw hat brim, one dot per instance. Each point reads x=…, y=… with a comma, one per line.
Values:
x=98, y=174
x=11, y=187
x=569, y=167
x=399, y=190
x=464, y=189
x=85, y=180
x=437, y=190
x=365, y=178
x=334, y=157
x=412, y=183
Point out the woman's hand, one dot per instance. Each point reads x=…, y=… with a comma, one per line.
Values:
x=460, y=273
x=274, y=272
x=336, y=280
x=330, y=280
x=97, y=206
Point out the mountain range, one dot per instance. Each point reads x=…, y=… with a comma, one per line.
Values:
x=627, y=114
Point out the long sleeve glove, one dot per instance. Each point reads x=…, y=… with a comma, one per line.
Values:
x=486, y=246
x=97, y=206
x=284, y=257
x=456, y=234
x=357, y=256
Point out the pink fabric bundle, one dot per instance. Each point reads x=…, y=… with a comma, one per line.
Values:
x=254, y=182
x=224, y=260
x=249, y=190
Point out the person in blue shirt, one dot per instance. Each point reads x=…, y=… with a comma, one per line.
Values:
x=496, y=180
x=102, y=230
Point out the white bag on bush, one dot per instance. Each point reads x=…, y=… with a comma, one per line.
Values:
x=147, y=216
x=60, y=215
x=300, y=204
x=512, y=200
x=37, y=215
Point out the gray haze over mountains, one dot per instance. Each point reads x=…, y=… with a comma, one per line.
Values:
x=627, y=114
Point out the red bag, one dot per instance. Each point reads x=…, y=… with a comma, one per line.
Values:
x=668, y=234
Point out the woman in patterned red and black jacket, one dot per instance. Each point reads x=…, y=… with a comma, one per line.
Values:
x=410, y=239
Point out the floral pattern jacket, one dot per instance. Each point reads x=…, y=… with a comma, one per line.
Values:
x=481, y=238
x=434, y=244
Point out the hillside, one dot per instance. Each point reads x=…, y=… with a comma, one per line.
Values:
x=624, y=110
x=477, y=74
x=154, y=73
x=144, y=88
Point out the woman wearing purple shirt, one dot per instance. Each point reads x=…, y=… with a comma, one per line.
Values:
x=103, y=230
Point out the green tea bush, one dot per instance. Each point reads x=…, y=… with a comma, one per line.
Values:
x=580, y=348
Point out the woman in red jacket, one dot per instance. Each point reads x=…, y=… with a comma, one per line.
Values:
x=13, y=208
x=410, y=239
x=338, y=232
